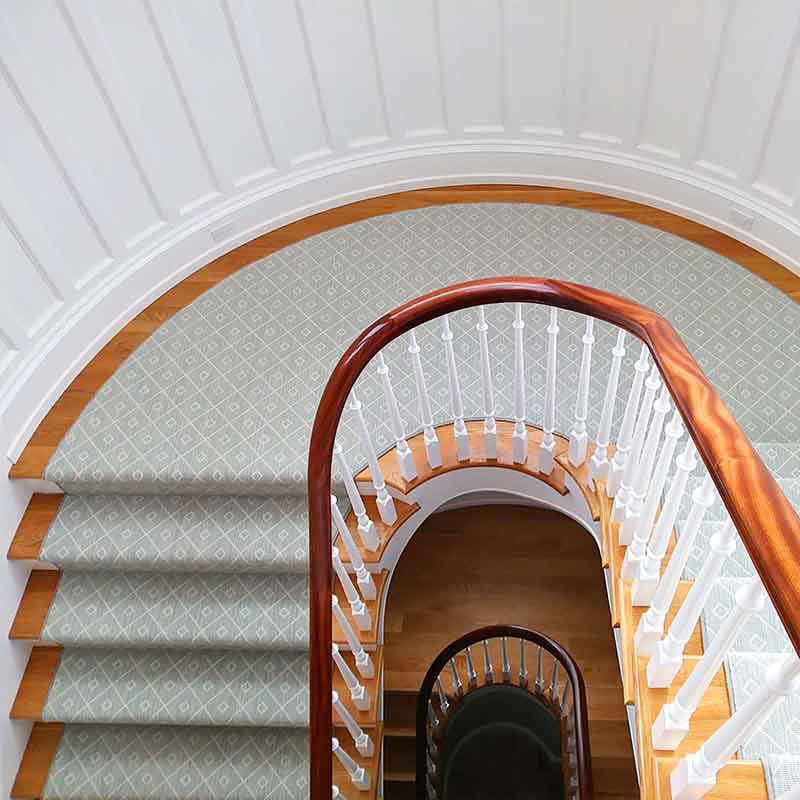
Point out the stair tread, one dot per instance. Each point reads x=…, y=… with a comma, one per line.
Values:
x=206, y=610
x=179, y=533
x=132, y=762
x=179, y=687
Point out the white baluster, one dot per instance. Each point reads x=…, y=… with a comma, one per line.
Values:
x=644, y=520
x=696, y=774
x=472, y=675
x=487, y=388
x=363, y=661
x=554, y=680
x=564, y=697
x=336, y=794
x=365, y=582
x=358, y=692
x=625, y=492
x=578, y=437
x=540, y=670
x=405, y=458
x=626, y=429
x=385, y=502
x=523, y=664
x=600, y=462
x=458, y=687
x=456, y=401
x=444, y=703
x=666, y=661
x=506, y=663
x=645, y=583
x=358, y=775
x=358, y=607
x=361, y=738
x=519, y=439
x=432, y=449
x=487, y=663
x=672, y=722
x=632, y=513
x=547, y=449
x=651, y=623
x=366, y=527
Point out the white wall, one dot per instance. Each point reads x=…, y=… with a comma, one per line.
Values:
x=141, y=139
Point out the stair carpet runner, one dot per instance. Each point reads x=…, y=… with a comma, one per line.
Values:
x=182, y=608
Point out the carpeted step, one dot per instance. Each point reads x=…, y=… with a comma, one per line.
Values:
x=783, y=773
x=782, y=459
x=762, y=632
x=174, y=533
x=133, y=762
x=179, y=687
x=204, y=610
x=779, y=735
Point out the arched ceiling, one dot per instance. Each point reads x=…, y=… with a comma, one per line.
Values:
x=140, y=139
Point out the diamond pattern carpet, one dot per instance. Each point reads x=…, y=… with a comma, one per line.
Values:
x=183, y=603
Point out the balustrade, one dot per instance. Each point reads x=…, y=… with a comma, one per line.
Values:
x=405, y=458
x=366, y=527
x=365, y=583
x=432, y=448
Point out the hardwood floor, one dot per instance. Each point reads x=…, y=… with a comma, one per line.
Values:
x=33, y=459
x=505, y=564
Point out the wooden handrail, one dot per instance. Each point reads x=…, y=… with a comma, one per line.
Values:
x=764, y=518
x=582, y=752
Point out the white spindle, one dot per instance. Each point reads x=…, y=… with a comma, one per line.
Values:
x=487, y=663
x=632, y=514
x=487, y=388
x=385, y=502
x=696, y=774
x=666, y=661
x=336, y=794
x=519, y=439
x=523, y=664
x=547, y=449
x=432, y=449
x=366, y=527
x=363, y=661
x=540, y=670
x=554, y=680
x=645, y=583
x=405, y=458
x=644, y=522
x=358, y=692
x=361, y=738
x=600, y=462
x=444, y=703
x=628, y=421
x=623, y=496
x=578, y=437
x=458, y=687
x=651, y=623
x=358, y=607
x=564, y=697
x=672, y=723
x=364, y=578
x=472, y=675
x=506, y=663
x=456, y=401
x=358, y=775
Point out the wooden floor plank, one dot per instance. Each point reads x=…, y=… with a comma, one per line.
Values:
x=35, y=604
x=33, y=526
x=35, y=766
x=36, y=682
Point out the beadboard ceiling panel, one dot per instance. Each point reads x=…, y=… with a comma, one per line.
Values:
x=140, y=139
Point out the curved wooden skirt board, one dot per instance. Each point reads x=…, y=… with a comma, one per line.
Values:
x=46, y=438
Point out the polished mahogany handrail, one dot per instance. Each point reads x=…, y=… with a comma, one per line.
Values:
x=582, y=750
x=764, y=518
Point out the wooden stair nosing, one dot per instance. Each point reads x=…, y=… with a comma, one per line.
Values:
x=36, y=682
x=34, y=525
x=34, y=605
x=36, y=760
x=372, y=765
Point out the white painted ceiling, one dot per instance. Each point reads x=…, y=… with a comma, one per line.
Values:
x=140, y=138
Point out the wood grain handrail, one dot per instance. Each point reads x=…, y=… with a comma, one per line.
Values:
x=764, y=518
x=582, y=751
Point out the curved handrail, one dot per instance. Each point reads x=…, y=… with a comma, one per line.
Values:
x=584, y=764
x=764, y=518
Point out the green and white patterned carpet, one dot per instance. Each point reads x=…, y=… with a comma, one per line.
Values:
x=183, y=605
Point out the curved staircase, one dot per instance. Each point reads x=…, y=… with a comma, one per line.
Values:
x=171, y=639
